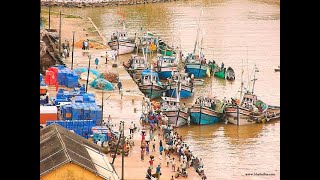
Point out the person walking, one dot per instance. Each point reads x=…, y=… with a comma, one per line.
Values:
x=86, y=44
x=106, y=58
x=119, y=86
x=96, y=61
x=121, y=93
x=142, y=154
x=68, y=47
x=131, y=128
x=154, y=145
x=158, y=171
x=147, y=138
x=173, y=165
x=161, y=149
x=151, y=163
x=147, y=149
x=167, y=160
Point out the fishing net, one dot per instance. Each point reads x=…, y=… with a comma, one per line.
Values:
x=110, y=76
x=100, y=83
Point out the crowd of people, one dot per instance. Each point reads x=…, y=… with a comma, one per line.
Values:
x=170, y=145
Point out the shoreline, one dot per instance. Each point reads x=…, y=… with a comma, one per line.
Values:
x=100, y=3
x=134, y=167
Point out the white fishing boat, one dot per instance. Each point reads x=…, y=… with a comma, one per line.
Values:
x=122, y=43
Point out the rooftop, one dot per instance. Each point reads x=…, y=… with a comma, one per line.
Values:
x=59, y=146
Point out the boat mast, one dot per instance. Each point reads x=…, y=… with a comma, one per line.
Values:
x=254, y=77
x=178, y=87
x=195, y=45
x=241, y=92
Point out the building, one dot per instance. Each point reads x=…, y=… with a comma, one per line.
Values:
x=66, y=155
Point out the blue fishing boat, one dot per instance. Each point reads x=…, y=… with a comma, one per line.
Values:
x=166, y=65
x=186, y=85
x=206, y=111
x=196, y=65
x=150, y=85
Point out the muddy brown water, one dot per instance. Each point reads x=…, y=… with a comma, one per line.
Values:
x=239, y=33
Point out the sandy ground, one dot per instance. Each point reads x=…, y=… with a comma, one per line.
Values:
x=126, y=109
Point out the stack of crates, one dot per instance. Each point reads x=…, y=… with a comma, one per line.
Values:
x=89, y=98
x=61, y=96
x=80, y=127
x=72, y=80
x=67, y=77
x=86, y=111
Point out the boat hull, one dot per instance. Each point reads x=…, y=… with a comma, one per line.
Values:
x=124, y=47
x=230, y=75
x=196, y=70
x=245, y=116
x=184, y=93
x=220, y=74
x=166, y=72
x=177, y=118
x=204, y=116
x=152, y=92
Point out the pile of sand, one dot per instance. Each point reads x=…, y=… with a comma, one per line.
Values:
x=94, y=45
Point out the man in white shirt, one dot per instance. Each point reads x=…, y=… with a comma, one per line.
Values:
x=131, y=128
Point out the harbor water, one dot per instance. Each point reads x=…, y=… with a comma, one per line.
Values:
x=239, y=33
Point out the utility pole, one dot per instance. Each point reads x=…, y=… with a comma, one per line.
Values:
x=122, y=132
x=102, y=108
x=49, y=13
x=72, y=49
x=89, y=56
x=60, y=35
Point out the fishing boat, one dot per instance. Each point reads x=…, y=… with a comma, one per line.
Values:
x=136, y=64
x=186, y=85
x=220, y=72
x=206, y=111
x=196, y=64
x=147, y=42
x=247, y=110
x=165, y=49
x=277, y=69
x=150, y=85
x=177, y=114
x=166, y=65
x=122, y=43
x=230, y=75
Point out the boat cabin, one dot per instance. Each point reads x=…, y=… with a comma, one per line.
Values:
x=169, y=103
x=121, y=35
x=146, y=77
x=164, y=61
x=249, y=99
x=137, y=62
x=195, y=58
x=184, y=79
